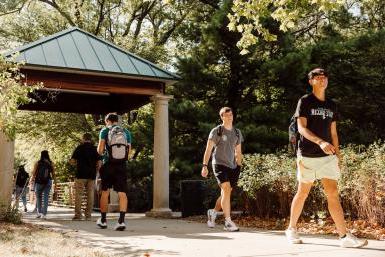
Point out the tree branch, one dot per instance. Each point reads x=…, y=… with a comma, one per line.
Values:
x=169, y=32
x=57, y=8
x=101, y=16
x=212, y=3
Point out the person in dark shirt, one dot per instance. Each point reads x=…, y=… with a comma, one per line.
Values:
x=43, y=176
x=87, y=161
x=319, y=157
x=22, y=179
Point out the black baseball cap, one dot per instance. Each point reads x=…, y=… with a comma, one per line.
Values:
x=317, y=72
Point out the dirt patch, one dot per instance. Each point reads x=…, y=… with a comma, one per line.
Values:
x=29, y=240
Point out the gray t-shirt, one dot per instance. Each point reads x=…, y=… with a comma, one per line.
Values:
x=224, y=149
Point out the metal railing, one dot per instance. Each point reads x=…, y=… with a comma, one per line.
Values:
x=64, y=196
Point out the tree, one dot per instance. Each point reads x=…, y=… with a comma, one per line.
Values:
x=13, y=93
x=247, y=17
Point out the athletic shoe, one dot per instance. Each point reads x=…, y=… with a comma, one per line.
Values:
x=38, y=216
x=101, y=224
x=211, y=216
x=351, y=241
x=292, y=236
x=120, y=226
x=25, y=209
x=230, y=226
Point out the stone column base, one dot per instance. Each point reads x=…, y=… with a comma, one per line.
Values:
x=159, y=213
x=113, y=208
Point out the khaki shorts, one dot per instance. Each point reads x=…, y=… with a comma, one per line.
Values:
x=310, y=169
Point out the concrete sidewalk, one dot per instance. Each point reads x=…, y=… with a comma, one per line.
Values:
x=176, y=237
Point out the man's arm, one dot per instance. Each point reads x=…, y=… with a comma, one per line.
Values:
x=335, y=140
x=101, y=146
x=304, y=131
x=238, y=154
x=206, y=157
x=34, y=173
x=129, y=151
x=53, y=173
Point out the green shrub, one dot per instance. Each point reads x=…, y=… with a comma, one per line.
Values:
x=10, y=214
x=269, y=183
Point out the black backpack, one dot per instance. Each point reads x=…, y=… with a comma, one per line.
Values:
x=293, y=136
x=43, y=172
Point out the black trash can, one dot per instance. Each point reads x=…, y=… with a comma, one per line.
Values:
x=192, y=197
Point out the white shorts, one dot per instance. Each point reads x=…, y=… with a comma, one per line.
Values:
x=310, y=169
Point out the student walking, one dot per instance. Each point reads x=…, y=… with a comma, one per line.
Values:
x=114, y=145
x=42, y=175
x=318, y=157
x=226, y=142
x=86, y=159
x=22, y=179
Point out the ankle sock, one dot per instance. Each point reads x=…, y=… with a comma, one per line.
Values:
x=104, y=217
x=121, y=217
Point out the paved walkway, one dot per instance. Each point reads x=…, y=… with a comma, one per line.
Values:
x=176, y=237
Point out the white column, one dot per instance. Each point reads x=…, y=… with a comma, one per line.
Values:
x=6, y=169
x=113, y=206
x=161, y=158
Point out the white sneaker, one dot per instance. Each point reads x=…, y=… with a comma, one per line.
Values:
x=120, y=226
x=101, y=224
x=211, y=216
x=230, y=226
x=352, y=241
x=292, y=236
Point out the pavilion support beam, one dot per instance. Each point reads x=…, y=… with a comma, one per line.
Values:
x=161, y=158
x=6, y=170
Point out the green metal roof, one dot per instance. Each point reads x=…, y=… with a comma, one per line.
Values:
x=74, y=48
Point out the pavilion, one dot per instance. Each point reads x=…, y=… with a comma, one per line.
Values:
x=82, y=73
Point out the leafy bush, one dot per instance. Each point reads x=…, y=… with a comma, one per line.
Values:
x=10, y=214
x=269, y=182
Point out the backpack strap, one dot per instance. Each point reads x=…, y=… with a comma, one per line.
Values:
x=220, y=131
x=236, y=132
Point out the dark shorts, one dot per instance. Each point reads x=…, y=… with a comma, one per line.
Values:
x=225, y=174
x=114, y=176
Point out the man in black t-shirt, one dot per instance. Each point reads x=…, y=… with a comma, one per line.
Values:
x=319, y=157
x=87, y=160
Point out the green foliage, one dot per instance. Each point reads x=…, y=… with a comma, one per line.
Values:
x=362, y=184
x=246, y=17
x=59, y=133
x=10, y=214
x=269, y=182
x=13, y=93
